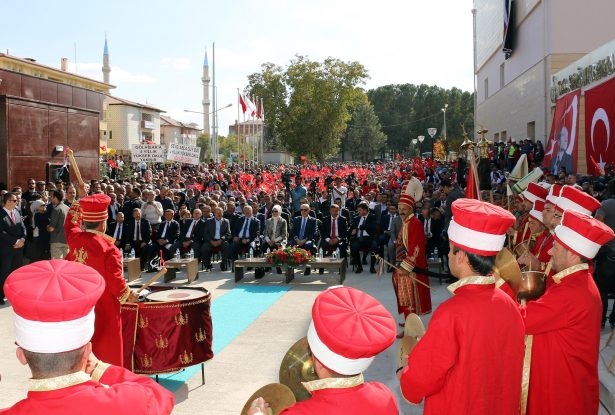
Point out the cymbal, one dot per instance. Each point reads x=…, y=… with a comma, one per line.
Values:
x=279, y=397
x=296, y=367
x=413, y=330
x=414, y=326
x=406, y=345
x=507, y=268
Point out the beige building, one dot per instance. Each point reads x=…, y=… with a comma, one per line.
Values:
x=173, y=131
x=130, y=123
x=513, y=96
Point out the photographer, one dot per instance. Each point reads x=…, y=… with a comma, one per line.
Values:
x=339, y=190
x=296, y=194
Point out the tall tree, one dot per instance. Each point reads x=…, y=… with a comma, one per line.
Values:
x=407, y=111
x=203, y=142
x=311, y=116
x=365, y=139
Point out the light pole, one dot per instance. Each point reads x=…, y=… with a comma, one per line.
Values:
x=214, y=139
x=414, y=141
x=421, y=139
x=444, y=128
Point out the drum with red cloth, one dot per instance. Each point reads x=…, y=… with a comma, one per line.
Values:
x=170, y=331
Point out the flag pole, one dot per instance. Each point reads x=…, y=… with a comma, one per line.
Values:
x=237, y=126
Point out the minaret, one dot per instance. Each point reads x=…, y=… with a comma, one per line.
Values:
x=206, y=101
x=106, y=69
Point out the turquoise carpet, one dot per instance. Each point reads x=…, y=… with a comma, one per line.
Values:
x=231, y=314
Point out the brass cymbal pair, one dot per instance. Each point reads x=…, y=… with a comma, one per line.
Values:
x=297, y=366
x=413, y=331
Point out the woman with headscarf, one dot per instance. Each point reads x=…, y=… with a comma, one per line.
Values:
x=276, y=231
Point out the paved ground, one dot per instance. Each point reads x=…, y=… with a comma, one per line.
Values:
x=252, y=359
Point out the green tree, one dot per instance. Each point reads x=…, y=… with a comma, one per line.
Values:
x=407, y=111
x=203, y=142
x=365, y=139
x=310, y=102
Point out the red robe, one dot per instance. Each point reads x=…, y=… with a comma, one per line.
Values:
x=412, y=297
x=364, y=399
x=470, y=359
x=565, y=323
x=117, y=392
x=98, y=251
x=506, y=288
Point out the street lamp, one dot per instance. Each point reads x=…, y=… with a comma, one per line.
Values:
x=444, y=112
x=414, y=141
x=421, y=139
x=432, y=132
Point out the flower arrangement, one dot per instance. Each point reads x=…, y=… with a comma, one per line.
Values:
x=289, y=256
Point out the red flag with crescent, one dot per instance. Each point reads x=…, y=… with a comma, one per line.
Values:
x=599, y=123
x=562, y=144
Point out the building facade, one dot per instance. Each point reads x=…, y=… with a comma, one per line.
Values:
x=43, y=110
x=130, y=123
x=173, y=131
x=512, y=96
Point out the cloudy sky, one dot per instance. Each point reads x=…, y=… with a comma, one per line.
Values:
x=157, y=47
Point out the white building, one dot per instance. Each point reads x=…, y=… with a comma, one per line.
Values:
x=513, y=96
x=130, y=123
x=173, y=131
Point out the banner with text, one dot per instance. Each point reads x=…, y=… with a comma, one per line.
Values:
x=149, y=153
x=599, y=115
x=184, y=153
x=562, y=145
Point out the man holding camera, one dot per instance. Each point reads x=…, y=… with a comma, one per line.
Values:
x=338, y=190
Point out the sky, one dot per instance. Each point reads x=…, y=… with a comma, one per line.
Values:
x=157, y=47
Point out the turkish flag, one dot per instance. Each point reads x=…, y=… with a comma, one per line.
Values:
x=599, y=115
x=562, y=145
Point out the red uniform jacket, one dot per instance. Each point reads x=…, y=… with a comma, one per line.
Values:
x=565, y=323
x=364, y=399
x=521, y=236
x=97, y=250
x=117, y=392
x=471, y=357
x=410, y=252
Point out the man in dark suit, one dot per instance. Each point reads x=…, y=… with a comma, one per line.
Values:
x=113, y=209
x=134, y=202
x=187, y=231
x=363, y=234
x=117, y=230
x=216, y=235
x=452, y=193
x=343, y=211
x=168, y=232
x=12, y=239
x=304, y=231
x=247, y=230
x=334, y=233
x=383, y=226
x=137, y=236
x=230, y=215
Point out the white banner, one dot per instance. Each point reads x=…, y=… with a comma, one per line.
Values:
x=149, y=153
x=184, y=153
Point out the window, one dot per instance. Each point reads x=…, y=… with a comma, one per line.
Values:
x=502, y=75
x=146, y=117
x=531, y=130
x=486, y=88
x=110, y=134
x=504, y=136
x=496, y=137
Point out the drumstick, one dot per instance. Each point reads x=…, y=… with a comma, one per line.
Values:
x=73, y=162
x=152, y=280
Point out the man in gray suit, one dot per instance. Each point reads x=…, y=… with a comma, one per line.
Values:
x=395, y=224
x=216, y=235
x=57, y=238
